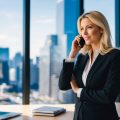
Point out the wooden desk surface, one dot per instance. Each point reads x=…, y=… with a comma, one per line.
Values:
x=26, y=111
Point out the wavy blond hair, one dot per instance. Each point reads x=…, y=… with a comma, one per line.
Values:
x=98, y=19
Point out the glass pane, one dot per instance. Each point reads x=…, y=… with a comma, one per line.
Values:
x=11, y=51
x=53, y=27
x=107, y=8
x=42, y=29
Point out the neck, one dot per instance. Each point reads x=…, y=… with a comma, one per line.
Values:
x=95, y=47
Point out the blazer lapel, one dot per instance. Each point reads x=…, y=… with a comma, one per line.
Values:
x=85, y=59
x=81, y=68
x=94, y=68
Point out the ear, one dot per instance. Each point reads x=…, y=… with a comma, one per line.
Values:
x=101, y=31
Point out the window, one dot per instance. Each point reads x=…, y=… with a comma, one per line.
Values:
x=109, y=12
x=11, y=52
x=53, y=28
x=43, y=41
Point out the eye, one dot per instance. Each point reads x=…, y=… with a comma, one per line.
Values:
x=81, y=29
x=89, y=27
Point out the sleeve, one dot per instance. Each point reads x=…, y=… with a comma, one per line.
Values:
x=79, y=92
x=111, y=88
x=66, y=74
x=69, y=59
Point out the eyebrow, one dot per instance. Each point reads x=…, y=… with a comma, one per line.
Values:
x=88, y=25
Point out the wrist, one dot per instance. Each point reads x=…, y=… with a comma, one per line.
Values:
x=76, y=90
x=72, y=54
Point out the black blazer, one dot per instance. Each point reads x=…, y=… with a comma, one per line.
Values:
x=97, y=99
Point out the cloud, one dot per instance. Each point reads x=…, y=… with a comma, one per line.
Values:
x=3, y=37
x=58, y=1
x=44, y=21
x=8, y=14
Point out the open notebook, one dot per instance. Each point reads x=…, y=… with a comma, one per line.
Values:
x=48, y=111
x=7, y=115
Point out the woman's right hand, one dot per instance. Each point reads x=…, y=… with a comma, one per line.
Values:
x=75, y=47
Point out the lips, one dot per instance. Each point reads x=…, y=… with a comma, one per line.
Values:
x=86, y=38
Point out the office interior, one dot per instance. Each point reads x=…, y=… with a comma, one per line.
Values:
x=26, y=80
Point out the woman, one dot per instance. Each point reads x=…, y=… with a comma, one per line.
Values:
x=95, y=76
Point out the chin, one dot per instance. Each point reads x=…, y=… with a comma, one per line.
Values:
x=88, y=43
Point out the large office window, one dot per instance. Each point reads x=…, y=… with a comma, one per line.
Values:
x=11, y=51
x=107, y=8
x=43, y=42
x=53, y=27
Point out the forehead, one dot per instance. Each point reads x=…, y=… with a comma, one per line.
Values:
x=86, y=21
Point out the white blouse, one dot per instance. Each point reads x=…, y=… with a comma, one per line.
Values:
x=87, y=69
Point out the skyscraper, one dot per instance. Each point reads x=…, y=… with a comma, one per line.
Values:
x=34, y=75
x=72, y=10
x=16, y=73
x=44, y=79
x=49, y=67
x=4, y=54
x=54, y=66
x=4, y=66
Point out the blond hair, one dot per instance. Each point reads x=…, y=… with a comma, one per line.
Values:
x=98, y=19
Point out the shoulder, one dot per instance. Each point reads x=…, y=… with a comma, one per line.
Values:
x=114, y=51
x=113, y=54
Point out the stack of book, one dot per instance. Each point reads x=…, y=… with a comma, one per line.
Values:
x=48, y=111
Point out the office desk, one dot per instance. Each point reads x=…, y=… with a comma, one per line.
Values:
x=26, y=111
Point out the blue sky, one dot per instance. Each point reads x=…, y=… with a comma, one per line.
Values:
x=107, y=7
x=11, y=25
x=43, y=23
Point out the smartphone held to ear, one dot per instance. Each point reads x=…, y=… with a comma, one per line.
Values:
x=81, y=42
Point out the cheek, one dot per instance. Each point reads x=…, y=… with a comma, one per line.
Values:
x=96, y=34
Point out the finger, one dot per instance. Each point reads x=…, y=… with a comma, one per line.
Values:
x=72, y=86
x=77, y=37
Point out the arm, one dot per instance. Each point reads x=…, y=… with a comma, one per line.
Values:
x=66, y=73
x=67, y=70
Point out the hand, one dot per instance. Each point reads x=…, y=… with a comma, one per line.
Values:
x=75, y=47
x=74, y=85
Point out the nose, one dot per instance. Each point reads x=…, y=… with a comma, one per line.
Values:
x=85, y=31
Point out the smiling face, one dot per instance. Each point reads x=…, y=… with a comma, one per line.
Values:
x=90, y=32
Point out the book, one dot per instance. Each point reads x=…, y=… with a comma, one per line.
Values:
x=7, y=115
x=49, y=111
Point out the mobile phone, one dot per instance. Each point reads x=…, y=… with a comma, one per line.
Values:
x=81, y=42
